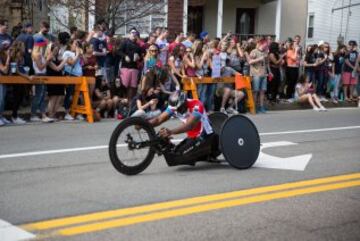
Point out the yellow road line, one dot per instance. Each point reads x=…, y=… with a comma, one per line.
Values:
x=201, y=208
x=98, y=216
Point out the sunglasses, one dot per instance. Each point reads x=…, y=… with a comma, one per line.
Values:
x=188, y=51
x=152, y=50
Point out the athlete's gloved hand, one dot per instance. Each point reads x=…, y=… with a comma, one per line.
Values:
x=165, y=133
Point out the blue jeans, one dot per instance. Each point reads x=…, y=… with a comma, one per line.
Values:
x=335, y=82
x=206, y=94
x=2, y=98
x=310, y=73
x=38, y=102
x=69, y=93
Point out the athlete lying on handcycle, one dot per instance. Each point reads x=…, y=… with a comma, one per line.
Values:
x=201, y=143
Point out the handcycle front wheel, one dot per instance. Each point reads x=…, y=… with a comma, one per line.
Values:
x=130, y=146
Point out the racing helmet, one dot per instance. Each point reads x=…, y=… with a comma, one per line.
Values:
x=177, y=100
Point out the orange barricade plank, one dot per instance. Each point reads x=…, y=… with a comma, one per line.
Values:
x=81, y=87
x=48, y=80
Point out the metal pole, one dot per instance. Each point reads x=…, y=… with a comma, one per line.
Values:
x=347, y=6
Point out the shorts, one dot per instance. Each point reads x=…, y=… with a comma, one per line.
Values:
x=129, y=77
x=259, y=83
x=348, y=79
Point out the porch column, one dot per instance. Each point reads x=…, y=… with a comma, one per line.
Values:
x=278, y=20
x=220, y=18
x=185, y=17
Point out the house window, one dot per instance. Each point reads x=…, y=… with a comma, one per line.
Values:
x=311, y=26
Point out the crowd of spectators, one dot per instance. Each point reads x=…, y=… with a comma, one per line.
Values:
x=135, y=76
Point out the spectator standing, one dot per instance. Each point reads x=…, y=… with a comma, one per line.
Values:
x=339, y=60
x=176, y=62
x=44, y=32
x=72, y=57
x=150, y=41
x=56, y=92
x=130, y=54
x=4, y=70
x=4, y=36
x=204, y=36
x=189, y=63
x=299, y=49
x=350, y=72
x=17, y=51
x=163, y=45
x=292, y=67
x=100, y=51
x=73, y=32
x=322, y=71
x=39, y=65
x=202, y=61
x=235, y=54
x=310, y=63
x=179, y=38
x=188, y=42
x=90, y=64
x=28, y=40
x=276, y=61
x=258, y=70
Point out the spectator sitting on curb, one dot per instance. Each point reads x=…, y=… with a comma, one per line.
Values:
x=304, y=93
x=146, y=104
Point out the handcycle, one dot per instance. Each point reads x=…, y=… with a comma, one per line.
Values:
x=134, y=143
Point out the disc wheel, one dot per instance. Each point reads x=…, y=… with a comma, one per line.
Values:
x=127, y=153
x=240, y=142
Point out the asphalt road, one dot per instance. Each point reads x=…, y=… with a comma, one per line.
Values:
x=44, y=177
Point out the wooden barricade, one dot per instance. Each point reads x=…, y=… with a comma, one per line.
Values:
x=240, y=81
x=81, y=87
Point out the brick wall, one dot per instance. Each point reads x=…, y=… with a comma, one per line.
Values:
x=175, y=15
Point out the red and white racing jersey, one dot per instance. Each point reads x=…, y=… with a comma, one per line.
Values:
x=196, y=109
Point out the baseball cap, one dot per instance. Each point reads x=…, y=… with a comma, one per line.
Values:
x=203, y=34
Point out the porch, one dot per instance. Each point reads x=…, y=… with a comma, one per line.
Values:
x=279, y=18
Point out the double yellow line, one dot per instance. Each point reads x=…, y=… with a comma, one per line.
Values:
x=123, y=217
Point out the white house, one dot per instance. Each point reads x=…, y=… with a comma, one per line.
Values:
x=333, y=20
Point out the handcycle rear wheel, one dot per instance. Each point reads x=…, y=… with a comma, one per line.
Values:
x=240, y=142
x=130, y=147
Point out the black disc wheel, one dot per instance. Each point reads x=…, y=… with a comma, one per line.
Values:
x=130, y=147
x=240, y=142
x=217, y=119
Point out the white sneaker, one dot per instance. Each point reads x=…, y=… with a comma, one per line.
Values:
x=222, y=110
x=68, y=117
x=323, y=99
x=322, y=108
x=6, y=122
x=1, y=123
x=230, y=110
x=18, y=121
x=316, y=109
x=47, y=119
x=235, y=112
x=80, y=117
x=35, y=118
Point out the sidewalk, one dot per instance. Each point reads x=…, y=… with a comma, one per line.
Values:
x=24, y=112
